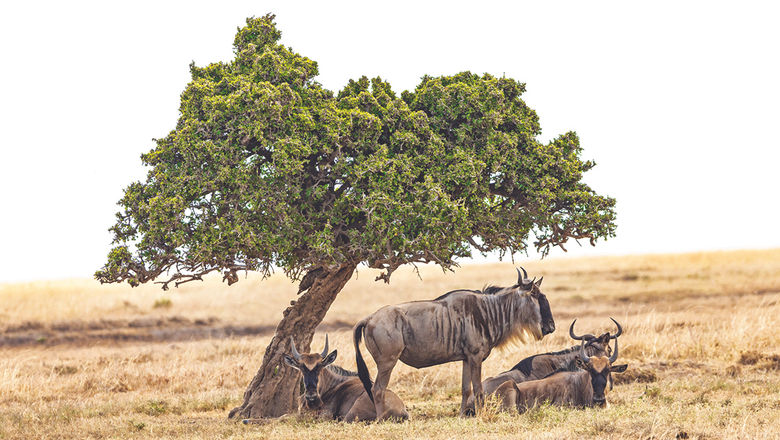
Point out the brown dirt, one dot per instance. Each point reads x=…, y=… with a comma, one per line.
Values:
x=638, y=374
x=760, y=360
x=117, y=331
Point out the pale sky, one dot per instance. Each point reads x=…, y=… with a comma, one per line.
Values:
x=677, y=102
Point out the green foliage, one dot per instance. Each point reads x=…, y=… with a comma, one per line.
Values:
x=267, y=168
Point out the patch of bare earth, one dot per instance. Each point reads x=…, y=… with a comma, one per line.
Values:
x=116, y=331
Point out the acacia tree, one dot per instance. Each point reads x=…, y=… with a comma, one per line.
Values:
x=266, y=168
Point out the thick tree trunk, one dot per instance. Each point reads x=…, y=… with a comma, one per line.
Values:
x=273, y=391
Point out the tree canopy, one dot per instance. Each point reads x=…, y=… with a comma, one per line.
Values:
x=266, y=168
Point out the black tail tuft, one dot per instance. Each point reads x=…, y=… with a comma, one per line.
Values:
x=363, y=373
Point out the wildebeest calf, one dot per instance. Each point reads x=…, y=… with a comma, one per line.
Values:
x=332, y=392
x=585, y=387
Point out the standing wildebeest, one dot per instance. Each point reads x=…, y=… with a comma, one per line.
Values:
x=584, y=387
x=462, y=325
x=539, y=366
x=332, y=392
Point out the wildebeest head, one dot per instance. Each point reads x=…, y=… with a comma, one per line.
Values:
x=600, y=370
x=596, y=346
x=533, y=287
x=310, y=365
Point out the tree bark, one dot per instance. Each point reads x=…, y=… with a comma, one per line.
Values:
x=273, y=391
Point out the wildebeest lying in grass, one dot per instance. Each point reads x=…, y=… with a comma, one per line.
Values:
x=462, y=325
x=542, y=365
x=581, y=388
x=332, y=392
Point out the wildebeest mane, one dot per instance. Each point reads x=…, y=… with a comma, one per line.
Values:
x=457, y=290
x=487, y=290
x=341, y=371
x=526, y=364
x=491, y=290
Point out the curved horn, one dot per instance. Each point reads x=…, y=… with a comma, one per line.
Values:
x=295, y=353
x=620, y=329
x=583, y=356
x=614, y=356
x=325, y=352
x=571, y=332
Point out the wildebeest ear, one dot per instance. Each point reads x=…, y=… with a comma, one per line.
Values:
x=580, y=363
x=291, y=362
x=539, y=283
x=330, y=358
x=604, y=339
x=618, y=368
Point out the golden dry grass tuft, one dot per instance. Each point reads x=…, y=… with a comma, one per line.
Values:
x=700, y=339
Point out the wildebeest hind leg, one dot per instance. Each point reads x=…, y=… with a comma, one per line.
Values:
x=507, y=393
x=386, y=348
x=380, y=385
x=362, y=410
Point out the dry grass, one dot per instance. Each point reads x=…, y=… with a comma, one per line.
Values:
x=701, y=344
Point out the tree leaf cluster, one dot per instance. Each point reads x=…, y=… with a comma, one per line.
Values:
x=266, y=168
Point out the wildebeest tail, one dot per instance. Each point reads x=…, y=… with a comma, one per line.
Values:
x=363, y=373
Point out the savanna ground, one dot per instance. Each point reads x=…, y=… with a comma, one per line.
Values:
x=79, y=360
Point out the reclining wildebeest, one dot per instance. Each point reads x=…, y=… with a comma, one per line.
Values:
x=542, y=365
x=584, y=387
x=461, y=325
x=334, y=393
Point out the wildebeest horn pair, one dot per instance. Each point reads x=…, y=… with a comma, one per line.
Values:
x=522, y=278
x=580, y=338
x=297, y=355
x=585, y=358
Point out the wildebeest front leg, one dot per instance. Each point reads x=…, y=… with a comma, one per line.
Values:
x=476, y=382
x=465, y=389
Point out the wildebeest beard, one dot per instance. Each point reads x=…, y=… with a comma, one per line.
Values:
x=548, y=323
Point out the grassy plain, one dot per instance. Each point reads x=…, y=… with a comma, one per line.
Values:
x=80, y=360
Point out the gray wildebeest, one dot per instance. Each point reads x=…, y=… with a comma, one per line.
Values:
x=462, y=325
x=542, y=365
x=585, y=387
x=332, y=392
